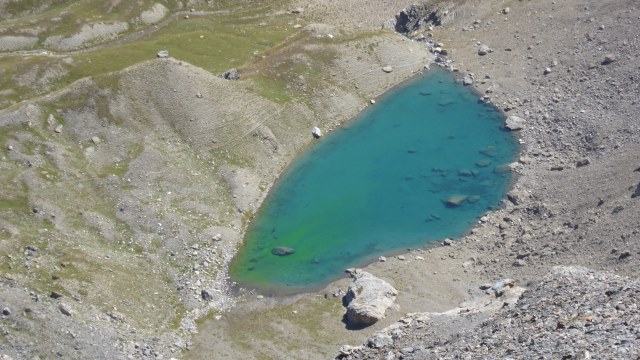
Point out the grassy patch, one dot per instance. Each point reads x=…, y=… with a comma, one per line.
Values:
x=213, y=42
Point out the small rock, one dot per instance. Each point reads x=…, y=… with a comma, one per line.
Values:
x=10, y=148
x=514, y=123
x=547, y=71
x=65, y=309
x=282, y=251
x=624, y=255
x=609, y=58
x=387, y=69
x=260, y=297
x=380, y=341
x=217, y=237
x=506, y=10
x=163, y=53
x=206, y=296
x=382, y=259
x=55, y=295
x=484, y=50
x=583, y=162
x=6, y=311
x=372, y=101
x=232, y=74
x=58, y=129
x=447, y=242
x=297, y=10
x=199, y=95
x=316, y=132
x=467, y=80
x=96, y=140
x=297, y=26
x=401, y=257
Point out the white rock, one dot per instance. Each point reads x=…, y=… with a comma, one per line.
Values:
x=387, y=69
x=368, y=299
x=316, y=132
x=514, y=123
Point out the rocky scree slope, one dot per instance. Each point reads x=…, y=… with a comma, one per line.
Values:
x=573, y=313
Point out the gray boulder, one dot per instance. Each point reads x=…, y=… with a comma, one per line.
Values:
x=484, y=50
x=232, y=74
x=368, y=298
x=514, y=123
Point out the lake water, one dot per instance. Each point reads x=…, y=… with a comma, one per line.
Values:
x=421, y=165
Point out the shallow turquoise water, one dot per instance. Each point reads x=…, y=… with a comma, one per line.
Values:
x=379, y=186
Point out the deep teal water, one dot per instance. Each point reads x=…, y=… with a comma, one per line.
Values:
x=380, y=186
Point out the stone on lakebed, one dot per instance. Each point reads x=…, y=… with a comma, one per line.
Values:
x=282, y=251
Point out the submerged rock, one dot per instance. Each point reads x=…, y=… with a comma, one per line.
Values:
x=456, y=200
x=282, y=251
x=367, y=299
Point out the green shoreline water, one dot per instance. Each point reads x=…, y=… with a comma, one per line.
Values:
x=380, y=185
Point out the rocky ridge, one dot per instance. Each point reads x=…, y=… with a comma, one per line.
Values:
x=573, y=313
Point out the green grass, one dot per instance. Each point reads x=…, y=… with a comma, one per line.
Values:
x=213, y=42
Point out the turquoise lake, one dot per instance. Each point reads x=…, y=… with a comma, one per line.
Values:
x=421, y=165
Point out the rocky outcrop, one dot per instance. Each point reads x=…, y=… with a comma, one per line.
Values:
x=573, y=313
x=418, y=17
x=368, y=298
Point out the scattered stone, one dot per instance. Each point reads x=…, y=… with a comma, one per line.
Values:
x=624, y=255
x=65, y=309
x=55, y=295
x=232, y=74
x=282, y=251
x=467, y=80
x=500, y=286
x=297, y=10
x=583, y=162
x=514, y=123
x=199, y=95
x=379, y=341
x=316, y=132
x=372, y=101
x=387, y=69
x=401, y=257
x=58, y=129
x=260, y=297
x=547, y=71
x=217, y=237
x=636, y=193
x=382, y=259
x=484, y=50
x=96, y=140
x=163, y=53
x=6, y=311
x=517, y=197
x=206, y=295
x=297, y=26
x=447, y=242
x=609, y=58
x=506, y=10
x=368, y=298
